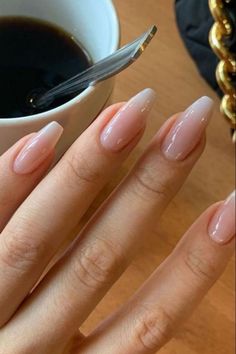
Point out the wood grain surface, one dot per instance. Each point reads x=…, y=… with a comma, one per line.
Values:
x=168, y=69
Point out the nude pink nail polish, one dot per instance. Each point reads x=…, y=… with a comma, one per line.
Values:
x=37, y=149
x=188, y=130
x=128, y=122
x=222, y=227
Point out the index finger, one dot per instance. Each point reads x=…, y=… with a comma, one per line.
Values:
x=153, y=315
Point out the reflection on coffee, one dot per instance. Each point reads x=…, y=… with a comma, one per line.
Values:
x=35, y=56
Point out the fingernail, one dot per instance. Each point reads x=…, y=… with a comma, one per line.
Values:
x=37, y=149
x=128, y=122
x=188, y=130
x=222, y=227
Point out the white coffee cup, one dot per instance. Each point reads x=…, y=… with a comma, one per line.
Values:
x=95, y=24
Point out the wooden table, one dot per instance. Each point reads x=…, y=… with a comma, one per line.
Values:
x=168, y=69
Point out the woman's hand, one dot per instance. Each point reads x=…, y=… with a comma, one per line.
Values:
x=37, y=214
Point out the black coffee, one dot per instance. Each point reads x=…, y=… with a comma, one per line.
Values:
x=35, y=55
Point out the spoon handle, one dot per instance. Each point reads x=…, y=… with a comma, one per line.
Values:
x=105, y=68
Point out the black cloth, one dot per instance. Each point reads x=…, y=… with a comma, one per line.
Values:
x=194, y=21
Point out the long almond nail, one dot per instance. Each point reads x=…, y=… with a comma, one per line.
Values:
x=38, y=149
x=222, y=227
x=188, y=130
x=128, y=122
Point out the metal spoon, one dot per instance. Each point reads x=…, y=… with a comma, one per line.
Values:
x=105, y=68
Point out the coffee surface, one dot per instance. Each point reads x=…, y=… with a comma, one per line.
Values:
x=35, y=56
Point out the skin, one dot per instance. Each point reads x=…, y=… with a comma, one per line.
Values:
x=43, y=210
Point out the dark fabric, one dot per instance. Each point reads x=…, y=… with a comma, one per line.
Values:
x=231, y=9
x=194, y=21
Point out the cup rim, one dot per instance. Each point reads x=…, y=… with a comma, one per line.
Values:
x=115, y=28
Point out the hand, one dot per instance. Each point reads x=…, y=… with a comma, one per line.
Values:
x=38, y=213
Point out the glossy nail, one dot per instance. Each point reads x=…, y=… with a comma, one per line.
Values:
x=222, y=227
x=188, y=130
x=37, y=149
x=128, y=122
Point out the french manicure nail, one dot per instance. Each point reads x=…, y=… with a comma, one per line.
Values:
x=188, y=130
x=128, y=122
x=222, y=227
x=37, y=149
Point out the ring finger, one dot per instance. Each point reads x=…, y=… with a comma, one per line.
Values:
x=42, y=223
x=107, y=245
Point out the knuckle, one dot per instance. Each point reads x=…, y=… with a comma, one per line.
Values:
x=96, y=264
x=146, y=184
x=152, y=330
x=198, y=265
x=16, y=347
x=19, y=251
x=80, y=170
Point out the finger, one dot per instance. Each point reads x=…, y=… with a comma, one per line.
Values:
x=167, y=299
x=74, y=343
x=18, y=177
x=107, y=245
x=55, y=207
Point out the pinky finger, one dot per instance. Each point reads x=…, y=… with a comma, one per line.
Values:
x=23, y=166
x=167, y=299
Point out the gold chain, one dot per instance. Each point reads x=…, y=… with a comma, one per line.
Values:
x=221, y=29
